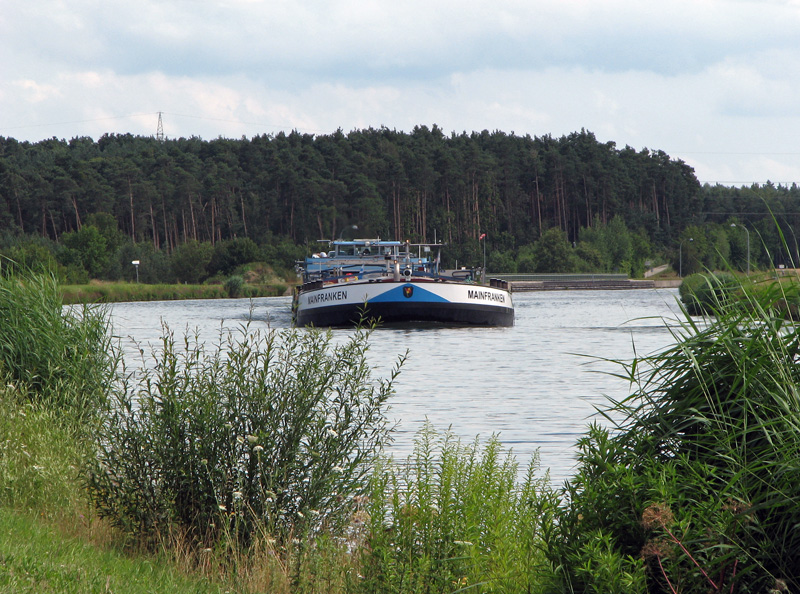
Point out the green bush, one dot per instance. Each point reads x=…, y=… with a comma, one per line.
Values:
x=266, y=434
x=697, y=486
x=455, y=517
x=703, y=293
x=234, y=286
x=65, y=358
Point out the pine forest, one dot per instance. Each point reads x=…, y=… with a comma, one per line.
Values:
x=191, y=209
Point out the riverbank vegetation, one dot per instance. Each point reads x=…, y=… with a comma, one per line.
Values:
x=194, y=211
x=108, y=292
x=255, y=463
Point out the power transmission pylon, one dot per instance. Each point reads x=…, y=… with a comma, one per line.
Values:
x=160, y=129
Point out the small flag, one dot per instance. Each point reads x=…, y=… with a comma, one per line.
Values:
x=482, y=236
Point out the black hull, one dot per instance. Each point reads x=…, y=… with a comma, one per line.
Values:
x=402, y=313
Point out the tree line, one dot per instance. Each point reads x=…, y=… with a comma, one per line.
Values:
x=273, y=196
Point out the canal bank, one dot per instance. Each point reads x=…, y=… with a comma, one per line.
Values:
x=566, y=282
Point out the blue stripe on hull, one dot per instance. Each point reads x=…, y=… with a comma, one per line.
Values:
x=408, y=311
x=419, y=294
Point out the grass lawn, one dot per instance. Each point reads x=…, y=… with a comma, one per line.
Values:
x=35, y=557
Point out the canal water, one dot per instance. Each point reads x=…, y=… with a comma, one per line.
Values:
x=535, y=384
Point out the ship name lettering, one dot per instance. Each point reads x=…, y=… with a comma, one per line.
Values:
x=486, y=295
x=328, y=296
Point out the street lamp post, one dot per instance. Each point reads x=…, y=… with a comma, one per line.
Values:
x=348, y=228
x=680, y=257
x=796, y=249
x=748, y=245
x=483, y=239
x=136, y=265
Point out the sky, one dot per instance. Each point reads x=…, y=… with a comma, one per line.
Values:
x=715, y=83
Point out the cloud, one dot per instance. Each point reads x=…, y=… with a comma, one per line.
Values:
x=692, y=77
x=338, y=39
x=36, y=92
x=758, y=86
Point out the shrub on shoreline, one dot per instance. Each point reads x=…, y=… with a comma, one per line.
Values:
x=266, y=434
x=703, y=293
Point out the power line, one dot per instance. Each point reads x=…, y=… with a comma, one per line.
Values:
x=749, y=182
x=122, y=117
x=733, y=153
x=159, y=113
x=243, y=123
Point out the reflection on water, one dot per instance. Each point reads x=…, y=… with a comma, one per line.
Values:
x=535, y=384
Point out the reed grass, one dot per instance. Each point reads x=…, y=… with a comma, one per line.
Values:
x=66, y=358
x=696, y=488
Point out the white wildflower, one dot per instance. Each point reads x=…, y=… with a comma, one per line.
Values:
x=300, y=514
x=258, y=449
x=332, y=433
x=252, y=439
x=239, y=439
x=222, y=508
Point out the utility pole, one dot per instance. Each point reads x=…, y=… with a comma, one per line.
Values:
x=160, y=129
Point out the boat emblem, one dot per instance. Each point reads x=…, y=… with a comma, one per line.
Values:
x=408, y=291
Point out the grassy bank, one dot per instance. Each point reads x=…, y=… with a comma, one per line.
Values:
x=253, y=464
x=777, y=289
x=107, y=292
x=37, y=556
x=50, y=540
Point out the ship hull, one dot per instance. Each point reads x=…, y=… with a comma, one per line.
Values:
x=398, y=302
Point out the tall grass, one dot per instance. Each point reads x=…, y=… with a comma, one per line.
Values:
x=42, y=453
x=455, y=518
x=697, y=488
x=65, y=358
